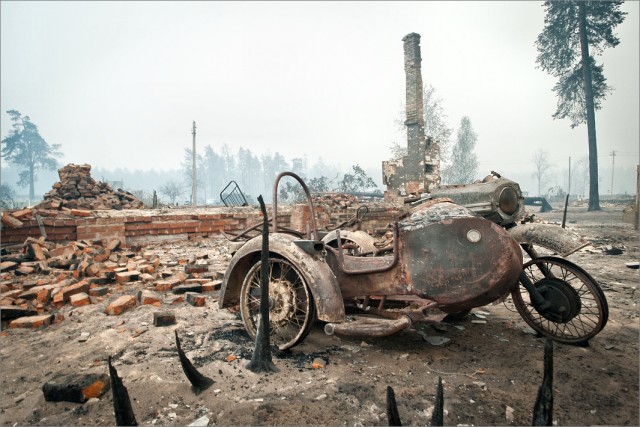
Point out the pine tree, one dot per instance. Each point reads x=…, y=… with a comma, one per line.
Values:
x=26, y=148
x=571, y=30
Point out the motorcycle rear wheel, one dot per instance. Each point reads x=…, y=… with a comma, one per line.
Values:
x=579, y=309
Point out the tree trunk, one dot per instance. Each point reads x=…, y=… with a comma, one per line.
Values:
x=594, y=195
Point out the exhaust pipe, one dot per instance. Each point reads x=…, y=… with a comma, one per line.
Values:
x=368, y=327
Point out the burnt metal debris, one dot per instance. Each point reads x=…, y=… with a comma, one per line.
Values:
x=232, y=195
x=458, y=248
x=121, y=401
x=199, y=382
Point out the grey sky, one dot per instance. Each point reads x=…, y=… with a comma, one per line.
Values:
x=119, y=83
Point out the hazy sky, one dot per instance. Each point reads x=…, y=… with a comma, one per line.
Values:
x=118, y=84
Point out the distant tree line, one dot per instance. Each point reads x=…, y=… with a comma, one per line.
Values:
x=256, y=174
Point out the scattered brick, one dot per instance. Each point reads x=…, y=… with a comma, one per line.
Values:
x=77, y=388
x=9, y=312
x=8, y=265
x=164, y=319
x=35, y=252
x=32, y=321
x=174, y=299
x=11, y=222
x=196, y=300
x=78, y=300
x=127, y=276
x=181, y=289
x=212, y=286
x=147, y=297
x=80, y=212
x=76, y=288
x=197, y=268
x=118, y=306
x=24, y=270
x=98, y=291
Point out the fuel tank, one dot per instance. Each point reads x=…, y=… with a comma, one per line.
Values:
x=453, y=256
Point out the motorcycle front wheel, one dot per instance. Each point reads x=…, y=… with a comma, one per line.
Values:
x=578, y=308
x=291, y=306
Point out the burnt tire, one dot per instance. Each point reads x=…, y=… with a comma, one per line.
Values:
x=579, y=309
x=291, y=307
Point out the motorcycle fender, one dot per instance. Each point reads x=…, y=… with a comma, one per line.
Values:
x=359, y=237
x=552, y=237
x=317, y=274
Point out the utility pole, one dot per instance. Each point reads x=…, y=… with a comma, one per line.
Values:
x=569, y=189
x=613, y=161
x=193, y=169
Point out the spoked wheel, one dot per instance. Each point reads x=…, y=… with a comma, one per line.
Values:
x=578, y=308
x=353, y=242
x=291, y=307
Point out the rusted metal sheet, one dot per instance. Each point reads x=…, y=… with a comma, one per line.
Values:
x=317, y=274
x=456, y=258
x=557, y=239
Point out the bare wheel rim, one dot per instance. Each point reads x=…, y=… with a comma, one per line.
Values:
x=562, y=279
x=291, y=307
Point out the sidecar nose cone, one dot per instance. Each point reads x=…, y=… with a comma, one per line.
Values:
x=473, y=236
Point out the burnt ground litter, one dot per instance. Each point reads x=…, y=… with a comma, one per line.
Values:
x=491, y=362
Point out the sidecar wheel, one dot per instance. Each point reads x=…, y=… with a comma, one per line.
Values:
x=291, y=306
x=578, y=309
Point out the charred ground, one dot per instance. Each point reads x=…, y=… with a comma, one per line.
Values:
x=491, y=370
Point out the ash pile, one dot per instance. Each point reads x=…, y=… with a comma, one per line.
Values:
x=77, y=190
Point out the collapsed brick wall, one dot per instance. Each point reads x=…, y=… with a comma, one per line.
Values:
x=139, y=228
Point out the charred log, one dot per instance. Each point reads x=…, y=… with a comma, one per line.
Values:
x=121, y=402
x=261, y=359
x=392, y=408
x=198, y=381
x=437, y=419
x=543, y=408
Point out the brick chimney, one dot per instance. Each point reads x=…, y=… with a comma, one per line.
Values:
x=419, y=171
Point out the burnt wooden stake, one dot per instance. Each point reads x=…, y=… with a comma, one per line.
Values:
x=121, y=402
x=392, y=408
x=261, y=359
x=198, y=381
x=437, y=419
x=543, y=408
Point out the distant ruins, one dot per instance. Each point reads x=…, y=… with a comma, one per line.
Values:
x=419, y=171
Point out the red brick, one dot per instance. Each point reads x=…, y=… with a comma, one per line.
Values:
x=32, y=321
x=195, y=299
x=211, y=286
x=78, y=300
x=149, y=298
x=123, y=303
x=127, y=276
x=80, y=212
x=82, y=286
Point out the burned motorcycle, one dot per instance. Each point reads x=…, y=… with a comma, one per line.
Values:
x=445, y=257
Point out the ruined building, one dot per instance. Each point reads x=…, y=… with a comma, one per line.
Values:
x=419, y=171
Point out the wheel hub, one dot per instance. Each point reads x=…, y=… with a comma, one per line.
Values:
x=564, y=299
x=282, y=301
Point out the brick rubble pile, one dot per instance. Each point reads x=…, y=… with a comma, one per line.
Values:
x=44, y=277
x=333, y=201
x=77, y=190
